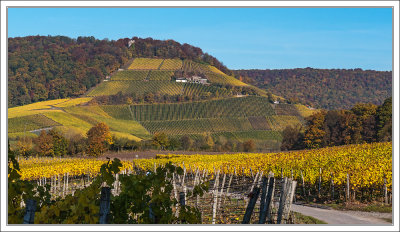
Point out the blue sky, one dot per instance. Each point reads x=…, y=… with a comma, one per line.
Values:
x=242, y=38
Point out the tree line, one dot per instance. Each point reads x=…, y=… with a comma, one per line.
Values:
x=98, y=140
x=51, y=67
x=364, y=123
x=323, y=88
x=152, y=48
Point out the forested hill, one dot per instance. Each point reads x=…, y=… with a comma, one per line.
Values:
x=51, y=67
x=323, y=88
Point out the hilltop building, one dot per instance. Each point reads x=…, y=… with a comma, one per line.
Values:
x=131, y=42
x=181, y=80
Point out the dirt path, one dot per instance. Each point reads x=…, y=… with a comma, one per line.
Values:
x=343, y=217
x=39, y=130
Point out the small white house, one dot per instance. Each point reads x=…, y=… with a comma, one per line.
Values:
x=131, y=42
x=276, y=102
x=181, y=80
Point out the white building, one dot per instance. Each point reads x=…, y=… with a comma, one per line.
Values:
x=181, y=80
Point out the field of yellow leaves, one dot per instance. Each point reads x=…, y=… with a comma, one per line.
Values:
x=367, y=164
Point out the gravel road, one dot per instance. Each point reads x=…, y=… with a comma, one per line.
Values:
x=343, y=217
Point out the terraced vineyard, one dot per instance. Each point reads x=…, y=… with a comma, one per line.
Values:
x=145, y=64
x=146, y=75
x=231, y=107
x=237, y=118
x=280, y=122
x=198, y=126
x=192, y=89
x=194, y=67
x=160, y=75
x=29, y=123
x=171, y=64
x=137, y=87
x=224, y=79
x=260, y=123
x=118, y=112
x=130, y=75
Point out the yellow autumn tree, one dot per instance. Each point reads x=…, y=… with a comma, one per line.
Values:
x=99, y=139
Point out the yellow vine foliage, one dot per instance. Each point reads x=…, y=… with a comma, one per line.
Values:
x=367, y=164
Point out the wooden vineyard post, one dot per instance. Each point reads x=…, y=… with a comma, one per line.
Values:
x=236, y=177
x=385, y=191
x=215, y=198
x=263, y=208
x=270, y=197
x=104, y=204
x=229, y=184
x=175, y=193
x=284, y=192
x=347, y=187
x=183, y=185
x=260, y=177
x=289, y=200
x=254, y=182
x=250, y=206
x=29, y=216
x=182, y=199
x=221, y=192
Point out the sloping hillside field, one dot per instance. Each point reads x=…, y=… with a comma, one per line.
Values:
x=250, y=117
x=146, y=75
x=227, y=116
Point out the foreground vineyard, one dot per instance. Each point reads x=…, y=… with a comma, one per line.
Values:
x=368, y=165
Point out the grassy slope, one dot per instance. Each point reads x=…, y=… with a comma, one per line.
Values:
x=69, y=116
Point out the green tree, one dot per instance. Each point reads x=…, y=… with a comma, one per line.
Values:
x=174, y=144
x=60, y=143
x=366, y=117
x=384, y=121
x=160, y=140
x=186, y=142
